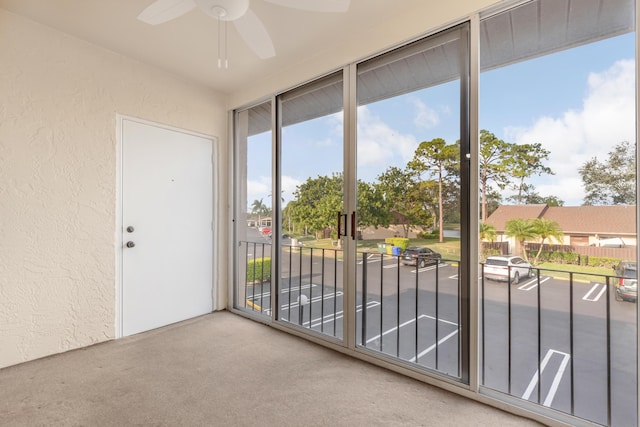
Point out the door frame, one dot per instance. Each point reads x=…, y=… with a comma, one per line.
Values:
x=119, y=241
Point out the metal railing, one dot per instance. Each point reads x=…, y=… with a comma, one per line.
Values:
x=553, y=339
x=253, y=290
x=311, y=297
x=402, y=314
x=569, y=326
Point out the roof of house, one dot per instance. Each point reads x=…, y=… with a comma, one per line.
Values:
x=602, y=220
x=506, y=212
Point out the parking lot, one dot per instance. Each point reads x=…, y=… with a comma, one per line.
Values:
x=545, y=339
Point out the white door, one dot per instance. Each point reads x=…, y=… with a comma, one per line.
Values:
x=167, y=217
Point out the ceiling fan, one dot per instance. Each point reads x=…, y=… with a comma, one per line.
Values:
x=247, y=23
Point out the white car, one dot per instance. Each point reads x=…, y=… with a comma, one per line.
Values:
x=499, y=267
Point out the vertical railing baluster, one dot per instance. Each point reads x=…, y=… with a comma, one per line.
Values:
x=310, y=285
x=290, y=276
x=437, y=326
x=262, y=281
x=608, y=295
x=300, y=288
x=363, y=330
x=335, y=292
x=417, y=315
x=458, y=318
x=483, y=327
x=246, y=274
x=398, y=311
x=381, y=299
x=253, y=288
x=509, y=329
x=322, y=295
x=571, y=340
x=539, y=339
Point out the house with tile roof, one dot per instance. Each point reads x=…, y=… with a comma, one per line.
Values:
x=603, y=226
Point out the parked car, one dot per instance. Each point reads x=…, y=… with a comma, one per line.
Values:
x=419, y=256
x=627, y=284
x=499, y=267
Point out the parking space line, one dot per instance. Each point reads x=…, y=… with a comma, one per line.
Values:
x=422, y=316
x=430, y=348
x=532, y=284
x=593, y=289
x=372, y=258
x=339, y=315
x=314, y=299
x=282, y=291
x=556, y=380
x=433, y=267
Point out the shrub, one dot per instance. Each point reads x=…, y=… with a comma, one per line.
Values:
x=595, y=261
x=487, y=252
x=401, y=242
x=435, y=234
x=258, y=270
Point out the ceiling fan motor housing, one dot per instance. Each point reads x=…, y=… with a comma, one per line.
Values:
x=226, y=10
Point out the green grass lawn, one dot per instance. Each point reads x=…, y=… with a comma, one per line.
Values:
x=581, y=272
x=450, y=250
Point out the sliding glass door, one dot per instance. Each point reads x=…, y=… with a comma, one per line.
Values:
x=310, y=192
x=412, y=182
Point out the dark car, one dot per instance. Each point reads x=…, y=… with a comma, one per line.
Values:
x=626, y=273
x=419, y=256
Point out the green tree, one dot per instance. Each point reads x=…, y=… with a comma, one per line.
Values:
x=401, y=194
x=317, y=203
x=531, y=197
x=544, y=229
x=612, y=181
x=493, y=201
x=373, y=209
x=493, y=165
x=440, y=161
x=487, y=232
x=521, y=230
x=524, y=161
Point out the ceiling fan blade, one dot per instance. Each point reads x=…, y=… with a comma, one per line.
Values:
x=254, y=33
x=165, y=10
x=315, y=5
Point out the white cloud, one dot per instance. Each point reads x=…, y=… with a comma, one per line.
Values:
x=378, y=144
x=288, y=185
x=259, y=189
x=426, y=117
x=607, y=117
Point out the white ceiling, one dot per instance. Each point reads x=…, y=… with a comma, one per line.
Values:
x=187, y=46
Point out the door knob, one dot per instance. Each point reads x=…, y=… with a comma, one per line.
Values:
x=130, y=244
x=130, y=229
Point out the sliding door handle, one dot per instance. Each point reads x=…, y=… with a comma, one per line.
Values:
x=353, y=225
x=341, y=224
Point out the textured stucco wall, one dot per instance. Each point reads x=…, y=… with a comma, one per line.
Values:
x=58, y=102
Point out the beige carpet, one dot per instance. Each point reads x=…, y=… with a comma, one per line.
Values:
x=224, y=370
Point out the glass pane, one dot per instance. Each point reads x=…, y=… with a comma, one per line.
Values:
x=253, y=219
x=311, y=195
x=408, y=196
x=557, y=188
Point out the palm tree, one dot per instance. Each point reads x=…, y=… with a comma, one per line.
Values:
x=258, y=208
x=544, y=229
x=521, y=230
x=487, y=232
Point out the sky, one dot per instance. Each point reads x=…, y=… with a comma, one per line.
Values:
x=577, y=103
